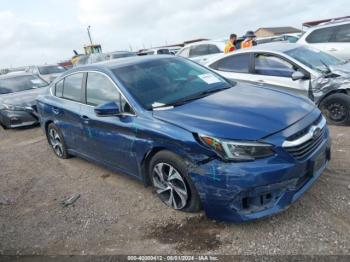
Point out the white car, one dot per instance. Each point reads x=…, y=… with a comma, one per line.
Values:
x=293, y=68
x=201, y=51
x=332, y=37
x=155, y=51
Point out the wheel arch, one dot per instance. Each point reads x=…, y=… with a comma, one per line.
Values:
x=151, y=153
x=337, y=91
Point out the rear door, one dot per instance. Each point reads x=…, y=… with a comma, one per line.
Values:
x=236, y=66
x=67, y=110
x=109, y=139
x=276, y=71
x=341, y=38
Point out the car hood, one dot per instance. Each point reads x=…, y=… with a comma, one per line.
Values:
x=23, y=98
x=243, y=112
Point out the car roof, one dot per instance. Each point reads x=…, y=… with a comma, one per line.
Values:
x=121, y=62
x=329, y=24
x=15, y=74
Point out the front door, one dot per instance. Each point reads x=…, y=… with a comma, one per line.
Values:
x=109, y=139
x=277, y=72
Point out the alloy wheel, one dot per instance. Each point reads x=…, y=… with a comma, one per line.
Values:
x=170, y=186
x=56, y=142
x=338, y=112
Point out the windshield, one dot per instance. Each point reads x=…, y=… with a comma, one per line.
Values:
x=166, y=81
x=314, y=58
x=20, y=83
x=46, y=70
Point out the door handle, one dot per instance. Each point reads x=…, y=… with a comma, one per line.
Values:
x=261, y=81
x=332, y=49
x=85, y=119
x=55, y=110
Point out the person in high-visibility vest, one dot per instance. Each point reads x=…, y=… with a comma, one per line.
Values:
x=249, y=40
x=231, y=44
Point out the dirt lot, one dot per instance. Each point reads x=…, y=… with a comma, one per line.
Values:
x=118, y=215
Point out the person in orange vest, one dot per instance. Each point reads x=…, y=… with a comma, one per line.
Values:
x=231, y=44
x=249, y=40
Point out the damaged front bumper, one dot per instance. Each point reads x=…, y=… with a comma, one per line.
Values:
x=246, y=191
x=13, y=119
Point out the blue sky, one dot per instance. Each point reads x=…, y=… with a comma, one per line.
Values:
x=46, y=31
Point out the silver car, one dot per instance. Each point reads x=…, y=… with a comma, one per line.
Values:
x=46, y=72
x=294, y=68
x=18, y=93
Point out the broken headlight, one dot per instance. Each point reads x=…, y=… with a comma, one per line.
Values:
x=237, y=150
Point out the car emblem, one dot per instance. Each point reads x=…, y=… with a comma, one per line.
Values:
x=315, y=131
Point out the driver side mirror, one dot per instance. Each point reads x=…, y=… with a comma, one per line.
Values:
x=298, y=75
x=108, y=109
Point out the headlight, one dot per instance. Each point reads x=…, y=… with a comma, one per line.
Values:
x=13, y=107
x=237, y=150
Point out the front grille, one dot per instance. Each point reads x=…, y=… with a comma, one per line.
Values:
x=300, y=151
x=305, y=130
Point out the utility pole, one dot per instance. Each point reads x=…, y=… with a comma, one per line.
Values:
x=88, y=30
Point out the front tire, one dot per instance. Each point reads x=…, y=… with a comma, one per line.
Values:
x=56, y=141
x=171, y=182
x=336, y=109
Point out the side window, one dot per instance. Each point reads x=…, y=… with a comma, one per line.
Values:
x=100, y=90
x=272, y=66
x=199, y=50
x=320, y=35
x=342, y=34
x=213, y=49
x=185, y=52
x=72, y=87
x=233, y=63
x=59, y=88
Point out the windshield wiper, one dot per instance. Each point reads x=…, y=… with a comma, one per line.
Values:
x=193, y=97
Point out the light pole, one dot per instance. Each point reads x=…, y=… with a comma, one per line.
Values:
x=88, y=30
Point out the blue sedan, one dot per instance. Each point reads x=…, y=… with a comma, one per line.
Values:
x=237, y=150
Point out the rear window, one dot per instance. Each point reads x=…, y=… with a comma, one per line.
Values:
x=235, y=63
x=59, y=88
x=163, y=52
x=199, y=50
x=72, y=87
x=323, y=35
x=342, y=34
x=213, y=49
x=20, y=83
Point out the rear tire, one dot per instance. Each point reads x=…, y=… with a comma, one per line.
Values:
x=172, y=184
x=56, y=141
x=336, y=108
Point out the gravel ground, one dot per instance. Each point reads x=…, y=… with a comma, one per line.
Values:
x=117, y=215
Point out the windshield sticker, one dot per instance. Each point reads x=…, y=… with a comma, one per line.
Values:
x=157, y=104
x=209, y=78
x=36, y=81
